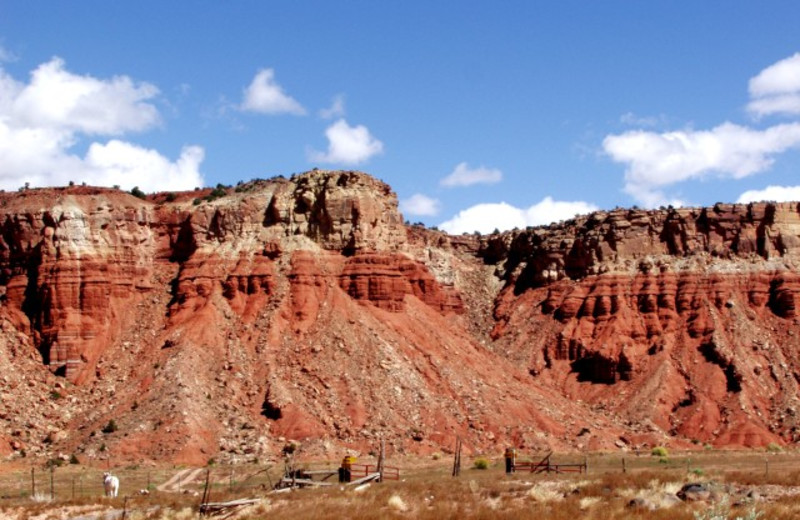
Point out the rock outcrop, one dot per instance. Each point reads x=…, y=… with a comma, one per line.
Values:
x=673, y=307
x=224, y=323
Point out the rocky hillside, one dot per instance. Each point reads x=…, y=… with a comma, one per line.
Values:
x=223, y=324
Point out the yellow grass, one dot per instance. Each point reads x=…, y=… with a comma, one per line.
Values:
x=427, y=491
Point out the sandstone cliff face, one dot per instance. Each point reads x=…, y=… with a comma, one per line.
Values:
x=687, y=317
x=304, y=309
x=146, y=301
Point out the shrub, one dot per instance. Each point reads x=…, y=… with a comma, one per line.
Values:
x=480, y=463
x=74, y=459
x=219, y=191
x=660, y=451
x=289, y=448
x=55, y=463
x=111, y=427
x=171, y=197
x=774, y=447
x=55, y=395
x=136, y=192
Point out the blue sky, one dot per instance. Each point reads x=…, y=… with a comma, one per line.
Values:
x=479, y=114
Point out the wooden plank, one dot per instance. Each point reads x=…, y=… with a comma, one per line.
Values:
x=233, y=503
x=371, y=476
x=301, y=482
x=220, y=507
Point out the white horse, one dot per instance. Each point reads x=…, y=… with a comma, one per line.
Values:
x=110, y=484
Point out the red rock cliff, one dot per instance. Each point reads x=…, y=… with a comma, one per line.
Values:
x=212, y=324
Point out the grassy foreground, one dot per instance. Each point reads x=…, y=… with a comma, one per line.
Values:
x=745, y=485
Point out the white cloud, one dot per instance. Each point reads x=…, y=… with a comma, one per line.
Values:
x=656, y=160
x=485, y=218
x=419, y=204
x=778, y=78
x=335, y=110
x=56, y=98
x=265, y=96
x=776, y=193
x=776, y=89
x=347, y=145
x=463, y=175
x=787, y=104
x=145, y=168
x=41, y=122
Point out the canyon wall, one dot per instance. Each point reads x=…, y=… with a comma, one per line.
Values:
x=223, y=325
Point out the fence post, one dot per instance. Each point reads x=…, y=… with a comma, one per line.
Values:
x=457, y=458
x=380, y=461
x=624, y=469
x=73, y=488
x=33, y=481
x=766, y=467
x=586, y=464
x=52, y=472
x=205, y=498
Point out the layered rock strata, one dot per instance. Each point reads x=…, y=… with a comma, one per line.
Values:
x=210, y=324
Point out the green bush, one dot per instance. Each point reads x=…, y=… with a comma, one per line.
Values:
x=136, y=192
x=480, y=463
x=774, y=447
x=660, y=451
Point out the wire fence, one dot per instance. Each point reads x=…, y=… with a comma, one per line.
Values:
x=75, y=482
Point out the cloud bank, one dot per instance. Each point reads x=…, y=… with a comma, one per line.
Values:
x=776, y=193
x=485, y=218
x=41, y=122
x=658, y=160
x=654, y=161
x=348, y=145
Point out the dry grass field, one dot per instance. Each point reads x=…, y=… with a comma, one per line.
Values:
x=744, y=485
